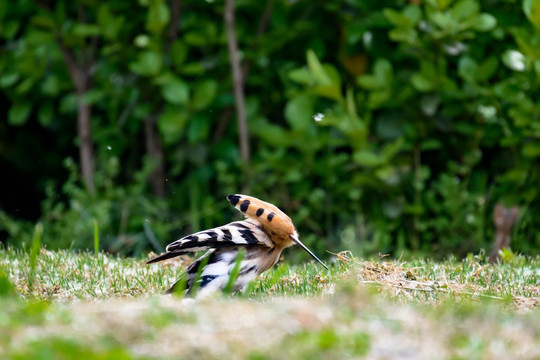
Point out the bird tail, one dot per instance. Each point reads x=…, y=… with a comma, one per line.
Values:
x=165, y=256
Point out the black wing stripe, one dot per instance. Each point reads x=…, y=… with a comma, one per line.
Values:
x=226, y=234
x=248, y=235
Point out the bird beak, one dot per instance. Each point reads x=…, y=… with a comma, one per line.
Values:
x=296, y=241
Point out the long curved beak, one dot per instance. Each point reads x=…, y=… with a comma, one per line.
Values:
x=296, y=241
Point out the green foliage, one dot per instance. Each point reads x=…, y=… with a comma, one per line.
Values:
x=395, y=128
x=6, y=287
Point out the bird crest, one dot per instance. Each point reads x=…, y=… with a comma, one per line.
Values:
x=269, y=216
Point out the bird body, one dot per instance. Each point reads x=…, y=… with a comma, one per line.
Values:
x=263, y=236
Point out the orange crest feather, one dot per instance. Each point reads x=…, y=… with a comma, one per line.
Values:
x=268, y=215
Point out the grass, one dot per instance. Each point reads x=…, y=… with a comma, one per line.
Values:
x=64, y=305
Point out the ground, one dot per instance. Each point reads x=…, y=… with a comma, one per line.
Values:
x=64, y=305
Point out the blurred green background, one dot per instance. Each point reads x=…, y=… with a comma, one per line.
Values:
x=378, y=126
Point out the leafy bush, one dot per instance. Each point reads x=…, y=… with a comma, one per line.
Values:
x=404, y=122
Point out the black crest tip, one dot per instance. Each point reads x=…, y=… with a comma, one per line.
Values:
x=233, y=199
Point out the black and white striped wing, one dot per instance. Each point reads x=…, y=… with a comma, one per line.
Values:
x=238, y=233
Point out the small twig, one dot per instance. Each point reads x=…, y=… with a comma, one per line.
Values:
x=223, y=121
x=173, y=25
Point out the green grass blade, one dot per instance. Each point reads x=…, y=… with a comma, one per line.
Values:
x=235, y=271
x=34, y=252
x=197, y=281
x=96, y=238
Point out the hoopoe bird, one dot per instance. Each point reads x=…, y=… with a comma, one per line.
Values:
x=263, y=235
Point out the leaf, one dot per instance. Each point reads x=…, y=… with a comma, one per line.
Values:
x=272, y=134
x=391, y=149
x=317, y=70
x=172, y=123
x=467, y=68
x=195, y=38
x=68, y=104
x=178, y=52
x=397, y=18
x=302, y=76
x=3, y=9
x=198, y=128
x=487, y=69
x=299, y=112
x=109, y=24
x=381, y=78
x=413, y=13
x=86, y=30
x=44, y=21
x=430, y=144
x=484, y=22
x=333, y=73
x=9, y=79
x=378, y=97
x=192, y=68
x=383, y=71
x=369, y=82
x=148, y=63
x=332, y=92
x=429, y=104
x=403, y=35
x=46, y=114
x=158, y=16
x=421, y=83
x=426, y=78
x=10, y=29
x=514, y=60
x=175, y=91
x=93, y=96
x=205, y=92
x=51, y=85
x=142, y=40
x=507, y=90
x=464, y=9
x=18, y=113
x=367, y=158
x=531, y=150
x=521, y=117
x=443, y=4
x=445, y=22
x=531, y=8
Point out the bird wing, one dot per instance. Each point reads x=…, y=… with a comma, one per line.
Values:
x=238, y=233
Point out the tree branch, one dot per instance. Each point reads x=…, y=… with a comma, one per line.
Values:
x=77, y=73
x=238, y=83
x=173, y=25
x=223, y=121
x=154, y=149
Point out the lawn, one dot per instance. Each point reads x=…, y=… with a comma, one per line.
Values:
x=65, y=305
